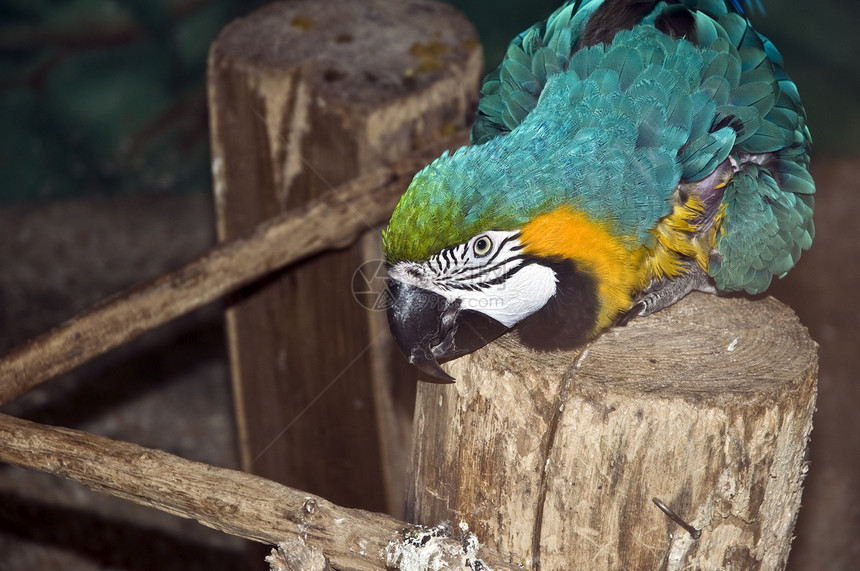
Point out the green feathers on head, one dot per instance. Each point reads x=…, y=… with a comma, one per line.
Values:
x=445, y=205
x=417, y=228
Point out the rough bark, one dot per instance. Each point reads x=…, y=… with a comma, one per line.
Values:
x=237, y=503
x=706, y=406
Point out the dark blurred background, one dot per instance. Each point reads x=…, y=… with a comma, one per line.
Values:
x=101, y=96
x=105, y=181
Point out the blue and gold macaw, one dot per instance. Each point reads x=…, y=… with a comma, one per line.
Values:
x=625, y=153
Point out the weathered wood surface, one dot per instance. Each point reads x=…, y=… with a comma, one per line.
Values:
x=334, y=219
x=234, y=502
x=305, y=95
x=296, y=555
x=555, y=457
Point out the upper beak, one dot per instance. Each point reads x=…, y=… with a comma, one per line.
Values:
x=426, y=328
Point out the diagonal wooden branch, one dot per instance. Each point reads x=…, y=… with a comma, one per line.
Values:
x=234, y=502
x=332, y=221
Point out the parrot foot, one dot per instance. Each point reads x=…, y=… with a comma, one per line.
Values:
x=667, y=291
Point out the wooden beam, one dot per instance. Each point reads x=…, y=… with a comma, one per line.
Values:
x=234, y=502
x=330, y=221
x=706, y=406
x=304, y=95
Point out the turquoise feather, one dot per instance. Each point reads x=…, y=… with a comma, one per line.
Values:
x=613, y=128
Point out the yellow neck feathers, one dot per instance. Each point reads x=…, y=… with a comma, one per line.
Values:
x=621, y=267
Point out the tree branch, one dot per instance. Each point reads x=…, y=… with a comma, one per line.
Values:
x=334, y=220
x=234, y=502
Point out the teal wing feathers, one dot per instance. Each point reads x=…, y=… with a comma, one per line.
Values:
x=609, y=106
x=768, y=223
x=767, y=207
x=511, y=91
x=746, y=112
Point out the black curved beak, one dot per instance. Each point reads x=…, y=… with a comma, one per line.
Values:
x=426, y=328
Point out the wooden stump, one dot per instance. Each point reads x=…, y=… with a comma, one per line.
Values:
x=305, y=95
x=554, y=458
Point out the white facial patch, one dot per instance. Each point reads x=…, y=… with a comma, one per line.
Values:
x=487, y=274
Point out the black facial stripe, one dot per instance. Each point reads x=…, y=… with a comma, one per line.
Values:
x=495, y=281
x=511, y=272
x=450, y=265
x=452, y=252
x=502, y=247
x=448, y=260
x=435, y=265
x=476, y=273
x=466, y=273
x=449, y=256
x=461, y=270
x=511, y=237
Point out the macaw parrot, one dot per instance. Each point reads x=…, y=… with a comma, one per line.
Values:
x=625, y=153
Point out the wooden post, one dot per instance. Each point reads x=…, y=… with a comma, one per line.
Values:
x=554, y=458
x=305, y=95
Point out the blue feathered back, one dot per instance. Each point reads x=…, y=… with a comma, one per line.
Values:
x=609, y=110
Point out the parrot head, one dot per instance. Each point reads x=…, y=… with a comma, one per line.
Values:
x=476, y=248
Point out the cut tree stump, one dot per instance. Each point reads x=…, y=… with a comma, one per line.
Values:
x=306, y=95
x=554, y=458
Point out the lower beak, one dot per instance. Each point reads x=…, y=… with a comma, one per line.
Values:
x=427, y=327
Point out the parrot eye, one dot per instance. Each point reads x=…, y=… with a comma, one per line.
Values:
x=482, y=246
